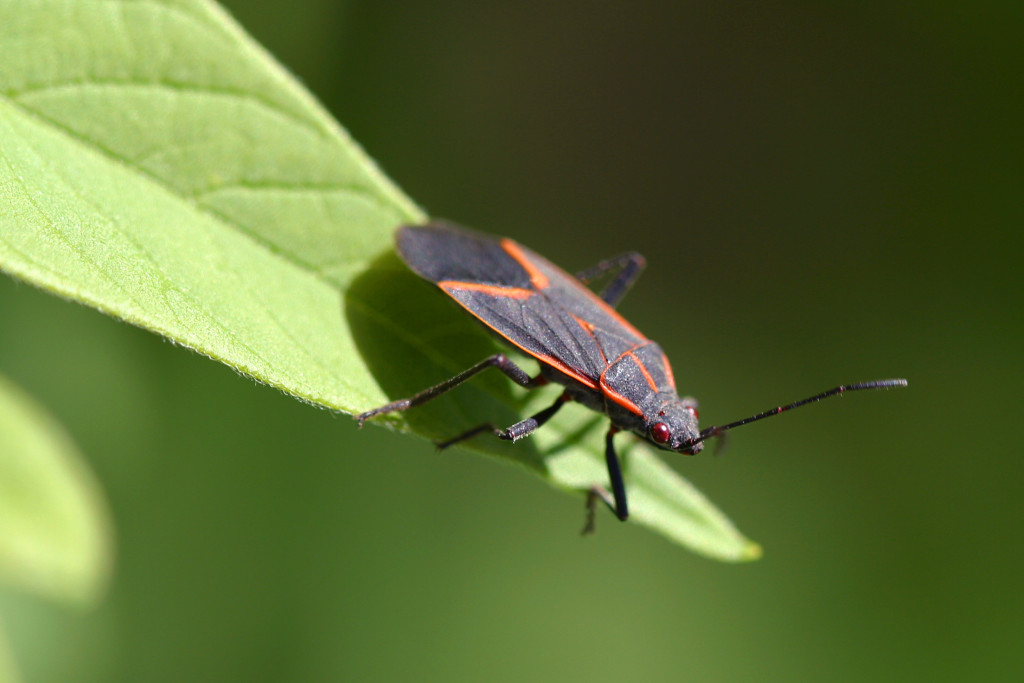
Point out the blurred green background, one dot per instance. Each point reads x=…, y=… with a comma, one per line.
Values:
x=825, y=192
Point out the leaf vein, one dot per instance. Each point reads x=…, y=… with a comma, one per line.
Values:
x=173, y=86
x=272, y=247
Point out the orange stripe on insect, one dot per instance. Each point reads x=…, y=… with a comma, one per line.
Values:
x=603, y=305
x=562, y=367
x=619, y=398
x=492, y=290
x=614, y=395
x=542, y=357
x=668, y=371
x=585, y=324
x=589, y=329
x=644, y=372
x=539, y=279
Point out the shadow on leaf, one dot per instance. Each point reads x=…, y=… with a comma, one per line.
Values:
x=411, y=337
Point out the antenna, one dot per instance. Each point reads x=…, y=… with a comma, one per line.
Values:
x=706, y=434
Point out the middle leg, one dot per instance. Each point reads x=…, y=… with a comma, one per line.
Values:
x=513, y=433
x=616, y=501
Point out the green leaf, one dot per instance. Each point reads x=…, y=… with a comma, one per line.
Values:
x=158, y=165
x=54, y=526
x=8, y=668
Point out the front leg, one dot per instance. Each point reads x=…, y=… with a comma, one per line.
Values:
x=616, y=501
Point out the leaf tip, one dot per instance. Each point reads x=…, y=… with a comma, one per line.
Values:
x=751, y=552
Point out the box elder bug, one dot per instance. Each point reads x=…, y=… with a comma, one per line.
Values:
x=580, y=341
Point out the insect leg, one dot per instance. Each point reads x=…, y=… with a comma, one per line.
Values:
x=499, y=360
x=627, y=269
x=513, y=433
x=616, y=501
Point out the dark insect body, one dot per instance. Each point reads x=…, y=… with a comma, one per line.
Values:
x=580, y=341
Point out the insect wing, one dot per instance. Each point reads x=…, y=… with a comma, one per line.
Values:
x=613, y=334
x=442, y=252
x=537, y=327
x=524, y=298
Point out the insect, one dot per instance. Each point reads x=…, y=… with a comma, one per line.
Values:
x=580, y=341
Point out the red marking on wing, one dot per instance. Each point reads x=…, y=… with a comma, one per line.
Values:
x=620, y=399
x=586, y=325
x=589, y=329
x=539, y=279
x=644, y=372
x=492, y=290
x=603, y=305
x=668, y=372
x=560, y=366
x=616, y=396
x=515, y=293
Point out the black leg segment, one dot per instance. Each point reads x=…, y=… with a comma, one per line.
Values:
x=616, y=501
x=627, y=269
x=499, y=360
x=621, y=508
x=513, y=433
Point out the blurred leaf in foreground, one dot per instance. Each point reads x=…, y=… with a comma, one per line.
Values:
x=55, y=535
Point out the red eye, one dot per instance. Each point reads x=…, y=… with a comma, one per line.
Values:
x=693, y=410
x=661, y=433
